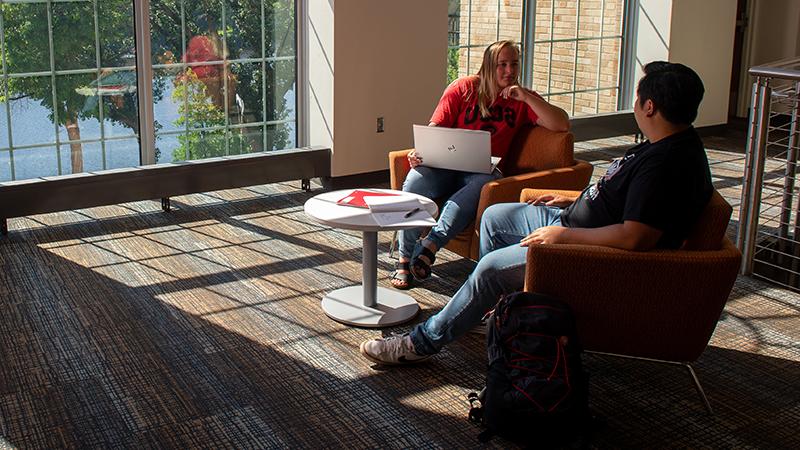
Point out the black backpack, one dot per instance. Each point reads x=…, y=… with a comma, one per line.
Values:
x=536, y=390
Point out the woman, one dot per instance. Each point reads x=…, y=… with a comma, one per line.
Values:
x=493, y=101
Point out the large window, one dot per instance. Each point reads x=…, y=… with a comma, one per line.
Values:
x=572, y=49
x=220, y=79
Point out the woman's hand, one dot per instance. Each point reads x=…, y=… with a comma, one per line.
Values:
x=515, y=93
x=550, y=116
x=560, y=201
x=413, y=159
x=545, y=235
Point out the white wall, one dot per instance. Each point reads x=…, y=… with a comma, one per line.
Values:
x=701, y=36
x=390, y=61
x=320, y=63
x=774, y=34
x=776, y=30
x=652, y=32
x=696, y=33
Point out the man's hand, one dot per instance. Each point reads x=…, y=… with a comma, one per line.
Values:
x=413, y=159
x=545, y=235
x=552, y=200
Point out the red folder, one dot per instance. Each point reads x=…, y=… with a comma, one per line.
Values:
x=356, y=198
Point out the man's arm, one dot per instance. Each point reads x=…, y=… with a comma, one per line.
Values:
x=629, y=235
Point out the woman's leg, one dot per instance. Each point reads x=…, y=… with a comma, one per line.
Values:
x=460, y=209
x=429, y=182
x=456, y=215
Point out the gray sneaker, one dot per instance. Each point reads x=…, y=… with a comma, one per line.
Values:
x=394, y=350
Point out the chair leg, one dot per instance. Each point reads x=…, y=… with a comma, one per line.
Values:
x=688, y=366
x=699, y=388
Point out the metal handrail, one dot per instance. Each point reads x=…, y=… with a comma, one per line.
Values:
x=776, y=83
x=788, y=69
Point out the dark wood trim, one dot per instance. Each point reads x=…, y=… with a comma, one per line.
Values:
x=377, y=178
x=601, y=126
x=84, y=190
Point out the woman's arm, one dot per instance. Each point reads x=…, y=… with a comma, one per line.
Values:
x=550, y=116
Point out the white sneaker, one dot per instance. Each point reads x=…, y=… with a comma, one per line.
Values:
x=394, y=350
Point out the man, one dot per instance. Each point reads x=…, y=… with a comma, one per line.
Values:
x=649, y=198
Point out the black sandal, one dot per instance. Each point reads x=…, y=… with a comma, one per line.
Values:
x=419, y=268
x=404, y=278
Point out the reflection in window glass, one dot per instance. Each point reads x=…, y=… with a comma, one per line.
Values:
x=37, y=162
x=74, y=39
x=218, y=70
x=223, y=82
x=5, y=165
x=122, y=153
x=70, y=84
x=30, y=124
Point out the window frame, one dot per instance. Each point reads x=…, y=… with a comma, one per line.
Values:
x=144, y=70
x=627, y=60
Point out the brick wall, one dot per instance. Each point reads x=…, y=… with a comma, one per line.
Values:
x=556, y=67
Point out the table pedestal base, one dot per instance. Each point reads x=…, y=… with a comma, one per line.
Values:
x=346, y=305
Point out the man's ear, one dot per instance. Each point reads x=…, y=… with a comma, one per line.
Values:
x=649, y=108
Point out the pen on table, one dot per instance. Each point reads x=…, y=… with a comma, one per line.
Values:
x=411, y=213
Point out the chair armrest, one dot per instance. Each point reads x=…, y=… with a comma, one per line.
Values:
x=530, y=194
x=506, y=190
x=661, y=304
x=398, y=168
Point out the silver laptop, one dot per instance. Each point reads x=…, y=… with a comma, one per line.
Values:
x=455, y=148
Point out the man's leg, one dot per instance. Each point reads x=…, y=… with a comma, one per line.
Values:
x=500, y=272
x=506, y=224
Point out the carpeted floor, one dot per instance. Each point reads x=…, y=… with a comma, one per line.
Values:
x=124, y=326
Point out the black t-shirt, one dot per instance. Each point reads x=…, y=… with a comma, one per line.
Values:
x=664, y=185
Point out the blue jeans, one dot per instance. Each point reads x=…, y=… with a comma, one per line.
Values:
x=463, y=190
x=500, y=270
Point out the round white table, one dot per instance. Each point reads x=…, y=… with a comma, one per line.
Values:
x=367, y=305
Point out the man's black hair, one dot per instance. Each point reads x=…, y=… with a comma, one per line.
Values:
x=675, y=89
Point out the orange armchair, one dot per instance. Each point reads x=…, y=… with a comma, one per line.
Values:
x=660, y=305
x=538, y=158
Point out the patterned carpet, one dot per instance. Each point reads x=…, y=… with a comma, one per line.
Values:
x=127, y=327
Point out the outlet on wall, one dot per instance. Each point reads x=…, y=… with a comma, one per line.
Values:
x=379, y=128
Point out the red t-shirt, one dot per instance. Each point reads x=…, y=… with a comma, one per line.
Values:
x=507, y=115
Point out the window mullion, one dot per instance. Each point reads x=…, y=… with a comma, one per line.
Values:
x=528, y=38
x=225, y=68
x=98, y=64
x=575, y=48
x=6, y=96
x=56, y=112
x=264, y=127
x=144, y=82
x=600, y=56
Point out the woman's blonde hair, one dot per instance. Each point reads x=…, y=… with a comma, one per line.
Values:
x=487, y=84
